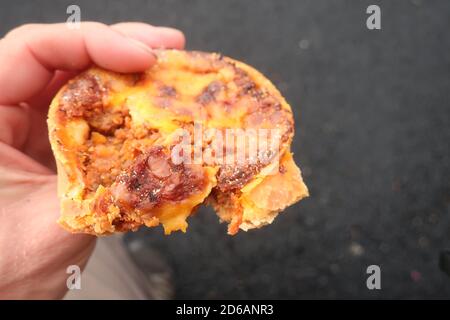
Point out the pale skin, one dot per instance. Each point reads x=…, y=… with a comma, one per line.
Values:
x=35, y=61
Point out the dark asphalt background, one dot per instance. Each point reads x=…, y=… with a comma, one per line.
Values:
x=373, y=129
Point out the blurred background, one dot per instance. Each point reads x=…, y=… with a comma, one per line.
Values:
x=372, y=111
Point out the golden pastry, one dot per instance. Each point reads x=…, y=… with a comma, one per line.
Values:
x=114, y=137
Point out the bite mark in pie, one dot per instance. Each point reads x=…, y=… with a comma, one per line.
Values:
x=113, y=136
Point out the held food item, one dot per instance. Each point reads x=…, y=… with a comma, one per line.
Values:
x=148, y=149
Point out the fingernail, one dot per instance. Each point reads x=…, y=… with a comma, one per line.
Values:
x=142, y=46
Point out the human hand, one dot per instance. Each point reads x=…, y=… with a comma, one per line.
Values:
x=36, y=60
